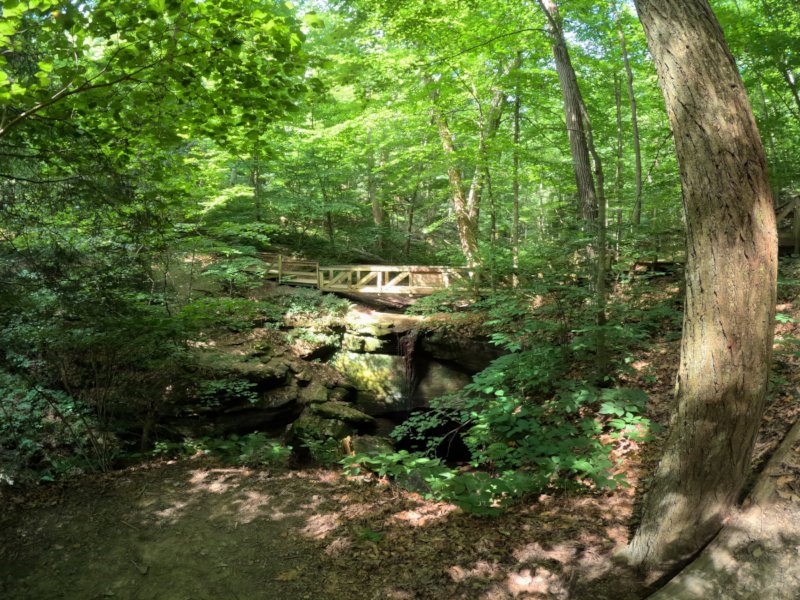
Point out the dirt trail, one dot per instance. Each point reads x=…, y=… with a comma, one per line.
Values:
x=179, y=532
x=193, y=531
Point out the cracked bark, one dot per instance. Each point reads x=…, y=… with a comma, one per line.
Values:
x=731, y=270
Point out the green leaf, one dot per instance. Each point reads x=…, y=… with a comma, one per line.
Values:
x=13, y=8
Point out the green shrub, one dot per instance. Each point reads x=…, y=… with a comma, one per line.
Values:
x=252, y=450
x=527, y=430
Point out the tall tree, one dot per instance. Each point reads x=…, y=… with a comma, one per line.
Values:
x=573, y=112
x=730, y=284
x=467, y=201
x=637, y=148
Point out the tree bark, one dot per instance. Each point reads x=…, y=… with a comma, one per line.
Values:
x=372, y=184
x=255, y=176
x=328, y=216
x=755, y=555
x=515, y=192
x=466, y=225
x=587, y=196
x=791, y=83
x=618, y=181
x=467, y=203
x=410, y=219
x=637, y=149
x=731, y=270
x=601, y=254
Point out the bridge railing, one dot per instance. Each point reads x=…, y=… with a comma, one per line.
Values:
x=383, y=279
x=367, y=279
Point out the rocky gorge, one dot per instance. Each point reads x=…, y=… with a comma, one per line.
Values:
x=305, y=380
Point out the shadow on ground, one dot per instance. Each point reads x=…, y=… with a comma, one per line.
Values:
x=193, y=530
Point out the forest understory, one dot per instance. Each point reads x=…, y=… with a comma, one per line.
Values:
x=199, y=527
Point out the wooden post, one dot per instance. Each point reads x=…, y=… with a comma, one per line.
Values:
x=319, y=277
x=380, y=281
x=280, y=268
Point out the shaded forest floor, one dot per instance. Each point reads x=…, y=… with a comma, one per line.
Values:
x=197, y=529
x=193, y=529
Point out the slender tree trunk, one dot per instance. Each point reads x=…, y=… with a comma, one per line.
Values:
x=587, y=196
x=601, y=254
x=796, y=227
x=410, y=220
x=466, y=203
x=618, y=181
x=791, y=82
x=328, y=215
x=372, y=184
x=256, y=179
x=489, y=124
x=731, y=272
x=637, y=149
x=372, y=192
x=515, y=192
x=488, y=127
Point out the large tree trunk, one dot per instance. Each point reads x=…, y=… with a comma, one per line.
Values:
x=731, y=270
x=755, y=554
x=587, y=196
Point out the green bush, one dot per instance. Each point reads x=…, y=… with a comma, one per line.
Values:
x=252, y=450
x=527, y=430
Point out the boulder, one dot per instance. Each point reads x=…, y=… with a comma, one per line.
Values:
x=341, y=411
x=371, y=445
x=438, y=380
x=316, y=427
x=471, y=355
x=341, y=394
x=381, y=385
x=362, y=343
x=314, y=392
x=379, y=381
x=378, y=324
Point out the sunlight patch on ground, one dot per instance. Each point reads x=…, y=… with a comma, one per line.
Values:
x=251, y=506
x=357, y=510
x=538, y=581
x=535, y=552
x=215, y=481
x=338, y=547
x=172, y=513
x=424, y=515
x=320, y=525
x=482, y=570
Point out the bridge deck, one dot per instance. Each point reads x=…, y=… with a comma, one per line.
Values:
x=366, y=279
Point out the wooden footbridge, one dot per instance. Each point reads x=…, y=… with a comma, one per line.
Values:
x=367, y=279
